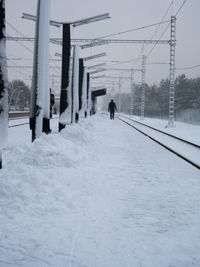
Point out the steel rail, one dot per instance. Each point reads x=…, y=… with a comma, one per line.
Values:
x=163, y=145
x=160, y=131
x=20, y=124
x=17, y=118
x=15, y=115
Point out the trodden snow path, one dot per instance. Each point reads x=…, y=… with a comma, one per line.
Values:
x=99, y=194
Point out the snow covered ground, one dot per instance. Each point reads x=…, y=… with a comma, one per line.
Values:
x=98, y=194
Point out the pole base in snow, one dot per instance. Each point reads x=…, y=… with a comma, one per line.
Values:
x=32, y=123
x=32, y=127
x=46, y=126
x=0, y=159
x=85, y=114
x=76, y=118
x=61, y=126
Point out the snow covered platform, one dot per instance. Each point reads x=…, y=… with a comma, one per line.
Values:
x=99, y=194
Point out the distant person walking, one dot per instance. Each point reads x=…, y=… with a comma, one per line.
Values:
x=52, y=102
x=112, y=108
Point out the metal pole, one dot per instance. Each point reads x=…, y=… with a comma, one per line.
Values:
x=39, y=87
x=18, y=94
x=12, y=93
x=3, y=82
x=143, y=87
x=89, y=95
x=65, y=102
x=80, y=86
x=132, y=93
x=93, y=105
x=75, y=85
x=84, y=96
x=172, y=71
x=119, y=94
x=113, y=88
x=46, y=110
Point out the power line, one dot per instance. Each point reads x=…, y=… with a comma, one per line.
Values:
x=125, y=61
x=20, y=72
x=157, y=28
x=179, y=9
x=187, y=68
x=15, y=29
x=11, y=26
x=31, y=51
x=131, y=30
x=177, y=12
x=27, y=48
x=158, y=40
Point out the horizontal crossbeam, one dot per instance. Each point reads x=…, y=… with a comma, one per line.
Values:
x=119, y=41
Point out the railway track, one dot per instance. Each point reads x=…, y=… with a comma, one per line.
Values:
x=188, y=151
x=19, y=116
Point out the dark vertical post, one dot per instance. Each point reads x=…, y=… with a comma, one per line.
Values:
x=66, y=51
x=46, y=119
x=34, y=109
x=75, y=85
x=87, y=93
x=3, y=82
x=80, y=86
x=93, y=107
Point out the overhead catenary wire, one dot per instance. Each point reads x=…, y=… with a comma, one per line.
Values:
x=10, y=60
x=27, y=48
x=176, y=13
x=125, y=61
x=20, y=72
x=157, y=28
x=187, y=68
x=24, y=46
x=179, y=9
x=131, y=30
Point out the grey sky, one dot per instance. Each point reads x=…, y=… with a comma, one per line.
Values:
x=125, y=15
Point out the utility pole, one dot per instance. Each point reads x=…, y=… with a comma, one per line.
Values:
x=40, y=86
x=143, y=87
x=75, y=85
x=113, y=88
x=172, y=71
x=80, y=85
x=18, y=94
x=65, y=102
x=132, y=92
x=53, y=81
x=84, y=95
x=3, y=83
x=119, y=94
x=88, y=95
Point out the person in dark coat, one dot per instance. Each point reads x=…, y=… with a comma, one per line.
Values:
x=112, y=108
x=52, y=102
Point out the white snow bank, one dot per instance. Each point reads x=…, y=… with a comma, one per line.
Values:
x=97, y=194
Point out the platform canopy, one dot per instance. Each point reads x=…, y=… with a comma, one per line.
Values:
x=99, y=92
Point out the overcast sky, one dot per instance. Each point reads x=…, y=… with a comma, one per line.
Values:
x=125, y=15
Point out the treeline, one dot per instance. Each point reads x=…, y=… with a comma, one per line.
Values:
x=18, y=94
x=187, y=99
